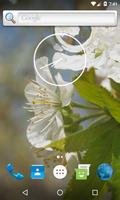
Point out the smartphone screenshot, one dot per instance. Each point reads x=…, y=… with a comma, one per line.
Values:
x=59, y=100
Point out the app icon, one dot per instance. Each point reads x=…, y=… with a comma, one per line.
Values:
x=37, y=172
x=10, y=169
x=105, y=171
x=60, y=172
x=82, y=172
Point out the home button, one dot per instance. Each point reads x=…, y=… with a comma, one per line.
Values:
x=59, y=192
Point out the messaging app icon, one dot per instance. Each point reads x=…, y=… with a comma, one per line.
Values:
x=82, y=172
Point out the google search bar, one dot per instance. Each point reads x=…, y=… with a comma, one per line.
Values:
x=59, y=18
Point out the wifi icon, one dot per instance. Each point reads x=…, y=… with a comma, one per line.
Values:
x=93, y=3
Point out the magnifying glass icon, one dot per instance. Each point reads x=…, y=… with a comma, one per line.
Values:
x=10, y=17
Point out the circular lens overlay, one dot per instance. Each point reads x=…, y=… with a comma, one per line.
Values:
x=62, y=56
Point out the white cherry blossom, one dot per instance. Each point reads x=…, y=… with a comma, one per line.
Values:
x=102, y=50
x=46, y=101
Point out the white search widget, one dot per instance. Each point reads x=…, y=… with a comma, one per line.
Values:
x=59, y=18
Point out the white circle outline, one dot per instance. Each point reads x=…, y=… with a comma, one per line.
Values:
x=60, y=194
x=35, y=67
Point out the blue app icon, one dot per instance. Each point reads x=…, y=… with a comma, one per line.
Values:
x=105, y=171
x=37, y=172
x=17, y=176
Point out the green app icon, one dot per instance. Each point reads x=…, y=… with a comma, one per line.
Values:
x=81, y=174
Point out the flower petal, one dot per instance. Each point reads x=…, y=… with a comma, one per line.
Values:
x=40, y=134
x=115, y=53
x=42, y=70
x=66, y=92
x=68, y=30
x=74, y=62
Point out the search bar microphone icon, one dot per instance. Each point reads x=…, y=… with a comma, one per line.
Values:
x=10, y=17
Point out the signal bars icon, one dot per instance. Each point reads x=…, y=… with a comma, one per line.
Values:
x=99, y=4
x=93, y=3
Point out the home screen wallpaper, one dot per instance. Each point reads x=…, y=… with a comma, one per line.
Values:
x=59, y=107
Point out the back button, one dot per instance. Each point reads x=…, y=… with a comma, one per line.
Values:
x=25, y=192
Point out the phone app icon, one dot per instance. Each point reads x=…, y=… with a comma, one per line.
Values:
x=82, y=172
x=17, y=176
x=37, y=172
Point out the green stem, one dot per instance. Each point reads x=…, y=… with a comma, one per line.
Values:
x=87, y=117
x=78, y=105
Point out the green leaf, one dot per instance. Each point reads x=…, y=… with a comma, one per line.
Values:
x=115, y=181
x=96, y=94
x=69, y=117
x=111, y=104
x=83, y=139
x=115, y=87
x=88, y=89
x=99, y=140
x=89, y=76
x=98, y=52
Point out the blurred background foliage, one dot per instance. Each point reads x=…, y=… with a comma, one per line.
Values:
x=16, y=70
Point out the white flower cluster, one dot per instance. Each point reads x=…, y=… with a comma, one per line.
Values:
x=102, y=51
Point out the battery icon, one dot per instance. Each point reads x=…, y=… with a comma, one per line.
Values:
x=105, y=3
